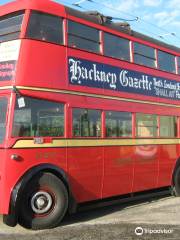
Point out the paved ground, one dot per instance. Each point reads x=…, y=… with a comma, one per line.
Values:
x=157, y=219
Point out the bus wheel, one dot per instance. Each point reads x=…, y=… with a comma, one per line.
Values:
x=43, y=202
x=176, y=187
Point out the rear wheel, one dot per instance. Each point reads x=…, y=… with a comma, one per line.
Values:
x=43, y=202
x=176, y=187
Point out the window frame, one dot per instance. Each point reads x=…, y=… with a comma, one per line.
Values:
x=177, y=122
x=148, y=126
x=158, y=60
x=178, y=65
x=62, y=20
x=136, y=53
x=41, y=99
x=117, y=37
x=72, y=123
x=17, y=31
x=118, y=137
x=99, y=42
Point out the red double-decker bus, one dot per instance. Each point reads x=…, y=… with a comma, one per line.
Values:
x=89, y=110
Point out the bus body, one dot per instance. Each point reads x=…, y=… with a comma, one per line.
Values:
x=90, y=110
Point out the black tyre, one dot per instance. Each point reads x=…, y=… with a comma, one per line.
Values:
x=43, y=202
x=176, y=187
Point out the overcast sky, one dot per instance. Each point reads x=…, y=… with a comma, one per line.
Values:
x=156, y=17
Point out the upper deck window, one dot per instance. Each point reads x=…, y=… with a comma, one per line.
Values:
x=144, y=55
x=45, y=27
x=10, y=26
x=166, y=62
x=83, y=37
x=116, y=47
x=178, y=64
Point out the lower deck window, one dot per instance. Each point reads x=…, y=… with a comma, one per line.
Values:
x=118, y=124
x=146, y=125
x=35, y=117
x=168, y=126
x=86, y=123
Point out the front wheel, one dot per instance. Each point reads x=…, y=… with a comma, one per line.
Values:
x=43, y=202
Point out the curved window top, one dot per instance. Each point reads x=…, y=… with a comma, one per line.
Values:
x=45, y=27
x=10, y=26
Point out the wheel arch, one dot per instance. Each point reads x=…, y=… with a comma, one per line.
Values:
x=12, y=218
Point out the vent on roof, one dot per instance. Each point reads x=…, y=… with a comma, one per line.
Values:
x=102, y=19
x=123, y=25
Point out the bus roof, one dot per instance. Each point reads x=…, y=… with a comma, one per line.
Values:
x=98, y=18
x=48, y=6
x=53, y=7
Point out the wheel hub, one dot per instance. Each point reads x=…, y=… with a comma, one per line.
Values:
x=41, y=202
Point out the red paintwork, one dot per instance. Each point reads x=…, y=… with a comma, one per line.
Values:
x=95, y=172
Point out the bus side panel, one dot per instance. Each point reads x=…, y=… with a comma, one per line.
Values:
x=118, y=170
x=85, y=168
x=167, y=162
x=45, y=69
x=28, y=158
x=145, y=167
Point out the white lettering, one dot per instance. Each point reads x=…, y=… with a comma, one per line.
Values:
x=98, y=75
x=79, y=73
x=75, y=70
x=127, y=81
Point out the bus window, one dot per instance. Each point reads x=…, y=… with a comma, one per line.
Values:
x=178, y=64
x=146, y=125
x=144, y=55
x=166, y=62
x=10, y=26
x=45, y=27
x=168, y=126
x=118, y=124
x=38, y=118
x=116, y=47
x=3, y=111
x=86, y=123
x=83, y=37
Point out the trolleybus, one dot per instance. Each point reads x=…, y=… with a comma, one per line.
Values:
x=89, y=110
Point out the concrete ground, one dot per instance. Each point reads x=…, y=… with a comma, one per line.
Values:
x=153, y=219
